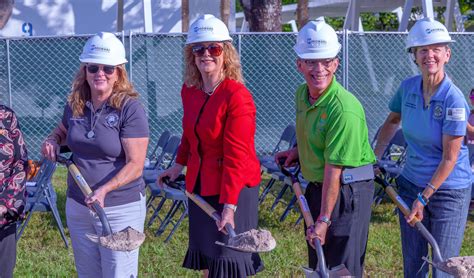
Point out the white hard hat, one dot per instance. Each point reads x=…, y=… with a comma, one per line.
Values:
x=427, y=31
x=317, y=40
x=208, y=28
x=103, y=48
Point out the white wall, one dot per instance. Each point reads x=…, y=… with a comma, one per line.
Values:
x=66, y=17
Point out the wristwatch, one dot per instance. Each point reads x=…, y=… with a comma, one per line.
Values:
x=324, y=219
x=230, y=206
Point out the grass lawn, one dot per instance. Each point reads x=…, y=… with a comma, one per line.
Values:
x=41, y=251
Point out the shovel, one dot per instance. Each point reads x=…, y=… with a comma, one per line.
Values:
x=456, y=266
x=322, y=270
x=253, y=241
x=127, y=239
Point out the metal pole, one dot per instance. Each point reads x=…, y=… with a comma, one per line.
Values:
x=345, y=58
x=240, y=47
x=10, y=103
x=131, y=57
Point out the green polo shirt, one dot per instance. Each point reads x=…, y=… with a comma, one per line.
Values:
x=333, y=130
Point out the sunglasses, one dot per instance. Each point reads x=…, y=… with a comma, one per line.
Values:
x=314, y=62
x=214, y=50
x=92, y=69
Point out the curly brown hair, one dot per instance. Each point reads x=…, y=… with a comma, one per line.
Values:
x=81, y=91
x=232, y=67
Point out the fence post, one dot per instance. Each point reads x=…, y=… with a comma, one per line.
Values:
x=345, y=57
x=130, y=57
x=240, y=46
x=10, y=104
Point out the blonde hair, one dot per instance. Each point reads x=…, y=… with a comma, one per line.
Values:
x=81, y=91
x=232, y=67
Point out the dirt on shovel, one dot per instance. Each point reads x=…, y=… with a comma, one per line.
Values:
x=253, y=241
x=127, y=239
x=459, y=267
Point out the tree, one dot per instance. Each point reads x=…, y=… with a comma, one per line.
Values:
x=6, y=7
x=262, y=15
x=225, y=11
x=302, y=15
x=184, y=16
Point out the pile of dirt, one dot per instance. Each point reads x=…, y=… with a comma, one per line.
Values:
x=127, y=239
x=459, y=267
x=255, y=240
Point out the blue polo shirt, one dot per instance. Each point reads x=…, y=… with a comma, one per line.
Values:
x=424, y=127
x=100, y=158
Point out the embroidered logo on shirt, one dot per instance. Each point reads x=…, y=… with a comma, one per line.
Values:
x=112, y=119
x=438, y=112
x=456, y=114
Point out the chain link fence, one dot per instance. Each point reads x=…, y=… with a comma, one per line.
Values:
x=37, y=74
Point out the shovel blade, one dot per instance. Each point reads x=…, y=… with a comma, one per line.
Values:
x=127, y=239
x=338, y=271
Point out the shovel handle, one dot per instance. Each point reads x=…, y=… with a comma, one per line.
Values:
x=87, y=191
x=402, y=206
x=78, y=178
x=212, y=212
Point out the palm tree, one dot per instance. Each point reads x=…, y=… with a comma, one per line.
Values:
x=263, y=15
x=184, y=16
x=6, y=7
x=225, y=11
x=302, y=16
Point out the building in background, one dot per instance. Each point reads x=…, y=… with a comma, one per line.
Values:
x=68, y=17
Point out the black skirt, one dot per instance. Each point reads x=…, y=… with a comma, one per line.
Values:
x=203, y=253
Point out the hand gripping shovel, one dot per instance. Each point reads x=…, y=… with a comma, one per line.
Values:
x=127, y=239
x=456, y=266
x=322, y=271
x=253, y=241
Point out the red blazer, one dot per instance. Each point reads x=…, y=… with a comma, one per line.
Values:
x=218, y=143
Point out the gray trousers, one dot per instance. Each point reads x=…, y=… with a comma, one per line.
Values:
x=93, y=260
x=346, y=238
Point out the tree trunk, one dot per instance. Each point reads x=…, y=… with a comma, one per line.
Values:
x=302, y=15
x=6, y=7
x=225, y=11
x=262, y=15
x=184, y=16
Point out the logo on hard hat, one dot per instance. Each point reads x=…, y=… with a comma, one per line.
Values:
x=198, y=29
x=434, y=30
x=99, y=48
x=316, y=43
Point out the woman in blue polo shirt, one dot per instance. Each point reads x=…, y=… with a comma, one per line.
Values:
x=106, y=128
x=436, y=178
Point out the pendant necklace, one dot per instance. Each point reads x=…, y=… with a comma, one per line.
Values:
x=214, y=88
x=91, y=133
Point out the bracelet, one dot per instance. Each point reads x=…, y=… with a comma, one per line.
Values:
x=422, y=199
x=230, y=206
x=430, y=185
x=324, y=219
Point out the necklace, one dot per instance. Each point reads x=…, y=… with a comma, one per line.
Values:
x=213, y=88
x=94, y=120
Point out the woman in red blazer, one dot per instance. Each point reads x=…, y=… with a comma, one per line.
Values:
x=218, y=150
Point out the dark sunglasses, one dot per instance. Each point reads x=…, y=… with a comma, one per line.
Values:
x=214, y=50
x=92, y=69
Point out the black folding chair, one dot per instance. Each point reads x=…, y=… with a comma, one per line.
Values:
x=392, y=161
x=268, y=165
x=42, y=197
x=164, y=161
x=158, y=149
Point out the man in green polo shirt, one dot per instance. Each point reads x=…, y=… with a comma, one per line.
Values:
x=333, y=148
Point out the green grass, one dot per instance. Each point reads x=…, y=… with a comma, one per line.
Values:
x=41, y=251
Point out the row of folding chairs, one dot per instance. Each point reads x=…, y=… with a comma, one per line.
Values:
x=163, y=157
x=41, y=197
x=286, y=141
x=392, y=160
